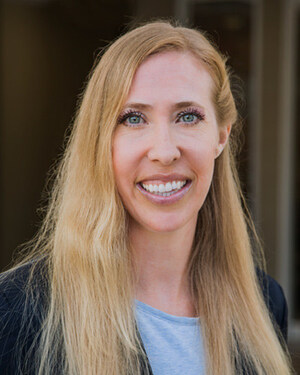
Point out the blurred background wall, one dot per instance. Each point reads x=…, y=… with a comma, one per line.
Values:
x=47, y=50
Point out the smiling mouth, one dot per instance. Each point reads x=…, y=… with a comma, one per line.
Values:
x=164, y=190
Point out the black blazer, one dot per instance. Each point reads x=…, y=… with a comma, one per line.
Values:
x=12, y=302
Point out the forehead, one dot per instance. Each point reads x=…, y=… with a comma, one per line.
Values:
x=171, y=74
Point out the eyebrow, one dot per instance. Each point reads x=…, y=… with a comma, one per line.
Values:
x=137, y=106
x=182, y=105
x=176, y=106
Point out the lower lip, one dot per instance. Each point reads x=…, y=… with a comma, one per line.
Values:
x=159, y=199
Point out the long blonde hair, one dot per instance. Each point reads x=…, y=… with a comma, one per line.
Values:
x=89, y=325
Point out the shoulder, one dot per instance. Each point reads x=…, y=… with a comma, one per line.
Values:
x=14, y=286
x=276, y=302
x=19, y=317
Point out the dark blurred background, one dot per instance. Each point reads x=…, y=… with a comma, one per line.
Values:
x=48, y=49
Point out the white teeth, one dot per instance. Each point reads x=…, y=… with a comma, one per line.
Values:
x=161, y=188
x=168, y=186
x=165, y=189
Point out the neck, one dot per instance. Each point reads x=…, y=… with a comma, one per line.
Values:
x=161, y=260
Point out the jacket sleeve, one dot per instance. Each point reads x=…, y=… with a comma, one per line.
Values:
x=276, y=303
x=19, y=324
x=10, y=324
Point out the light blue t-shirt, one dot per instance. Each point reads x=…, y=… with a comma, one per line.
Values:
x=173, y=343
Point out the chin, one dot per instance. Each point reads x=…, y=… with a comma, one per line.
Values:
x=164, y=229
x=166, y=226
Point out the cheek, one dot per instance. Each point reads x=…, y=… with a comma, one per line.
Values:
x=203, y=163
x=202, y=157
x=119, y=161
x=127, y=151
x=125, y=160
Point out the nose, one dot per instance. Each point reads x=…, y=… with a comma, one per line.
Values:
x=163, y=146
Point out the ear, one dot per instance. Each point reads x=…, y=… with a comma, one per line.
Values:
x=224, y=133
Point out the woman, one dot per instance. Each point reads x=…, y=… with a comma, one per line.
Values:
x=144, y=261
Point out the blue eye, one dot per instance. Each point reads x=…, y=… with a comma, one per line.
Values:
x=134, y=119
x=188, y=117
x=131, y=118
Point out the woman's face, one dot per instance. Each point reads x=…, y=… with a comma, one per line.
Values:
x=166, y=142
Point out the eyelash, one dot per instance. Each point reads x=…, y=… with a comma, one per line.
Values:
x=192, y=111
x=130, y=113
x=189, y=111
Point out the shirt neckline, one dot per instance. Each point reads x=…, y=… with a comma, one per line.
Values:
x=186, y=320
